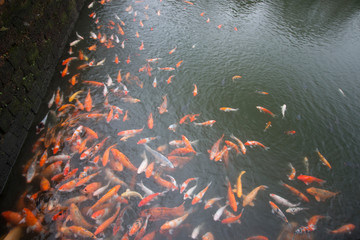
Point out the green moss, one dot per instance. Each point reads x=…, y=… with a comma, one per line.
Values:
x=64, y=18
x=32, y=54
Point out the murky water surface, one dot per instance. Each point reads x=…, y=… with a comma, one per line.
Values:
x=304, y=54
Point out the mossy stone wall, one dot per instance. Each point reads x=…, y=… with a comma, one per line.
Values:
x=33, y=34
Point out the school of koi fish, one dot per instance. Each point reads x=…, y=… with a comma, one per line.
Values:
x=83, y=184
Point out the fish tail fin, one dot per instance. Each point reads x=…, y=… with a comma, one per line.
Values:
x=267, y=148
x=290, y=165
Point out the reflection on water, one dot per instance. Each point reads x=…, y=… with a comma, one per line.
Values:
x=249, y=57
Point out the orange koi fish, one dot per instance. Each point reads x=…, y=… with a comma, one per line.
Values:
x=295, y=192
x=236, y=77
x=94, y=83
x=248, y=199
x=174, y=223
x=207, y=123
x=130, y=132
x=119, y=78
x=195, y=91
x=291, y=176
x=12, y=218
x=135, y=226
x=231, y=197
x=290, y=132
x=168, y=81
x=232, y=145
x=262, y=109
x=179, y=64
x=77, y=217
x=163, y=106
x=239, y=185
x=82, y=232
x=31, y=221
x=66, y=61
x=185, y=184
x=256, y=143
x=107, y=222
x=172, y=50
x=215, y=148
x=65, y=71
x=88, y=102
x=104, y=198
x=120, y=30
x=309, y=179
x=228, y=109
x=232, y=219
x=321, y=194
x=128, y=60
x=268, y=124
x=141, y=46
x=200, y=195
x=91, y=188
x=323, y=159
x=126, y=116
x=347, y=228
x=150, y=121
x=167, y=68
x=276, y=209
x=123, y=159
x=92, y=47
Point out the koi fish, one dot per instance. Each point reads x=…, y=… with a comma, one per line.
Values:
x=141, y=46
x=347, y=228
x=207, y=123
x=78, y=218
x=306, y=163
x=130, y=132
x=232, y=219
x=179, y=64
x=236, y=77
x=323, y=159
x=309, y=179
x=168, y=81
x=262, y=109
x=321, y=194
x=88, y=102
x=172, y=50
x=276, y=209
x=175, y=222
x=209, y=203
x=185, y=184
x=283, y=201
x=294, y=210
x=283, y=109
x=242, y=146
x=239, y=185
x=107, y=222
x=290, y=132
x=295, y=191
x=219, y=212
x=231, y=197
x=163, y=106
x=248, y=199
x=195, y=91
x=291, y=176
x=200, y=195
x=149, y=198
x=159, y=157
x=228, y=109
x=167, y=69
x=256, y=143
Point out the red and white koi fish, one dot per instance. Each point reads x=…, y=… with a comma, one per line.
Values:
x=256, y=143
x=200, y=195
x=207, y=123
x=262, y=109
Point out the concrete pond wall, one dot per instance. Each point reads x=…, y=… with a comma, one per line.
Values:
x=33, y=34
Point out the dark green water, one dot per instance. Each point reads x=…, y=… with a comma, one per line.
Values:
x=305, y=54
